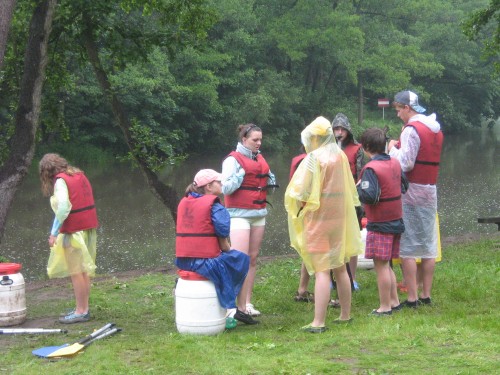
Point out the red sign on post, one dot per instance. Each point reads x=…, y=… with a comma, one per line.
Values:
x=382, y=103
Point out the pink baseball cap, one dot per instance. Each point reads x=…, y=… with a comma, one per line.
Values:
x=206, y=176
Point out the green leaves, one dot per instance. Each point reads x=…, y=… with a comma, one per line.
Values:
x=155, y=150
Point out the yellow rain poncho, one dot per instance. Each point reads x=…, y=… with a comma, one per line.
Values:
x=320, y=200
x=73, y=253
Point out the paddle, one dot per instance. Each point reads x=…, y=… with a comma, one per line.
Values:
x=16, y=331
x=75, y=348
x=45, y=351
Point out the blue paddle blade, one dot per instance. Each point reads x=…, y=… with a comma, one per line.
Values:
x=44, y=352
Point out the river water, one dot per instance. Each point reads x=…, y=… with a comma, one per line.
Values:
x=136, y=231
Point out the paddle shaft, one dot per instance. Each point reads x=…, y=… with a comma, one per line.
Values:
x=15, y=331
x=75, y=348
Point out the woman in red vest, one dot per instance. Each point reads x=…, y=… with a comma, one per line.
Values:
x=246, y=178
x=73, y=235
x=202, y=244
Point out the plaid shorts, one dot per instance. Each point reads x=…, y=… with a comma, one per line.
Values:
x=382, y=246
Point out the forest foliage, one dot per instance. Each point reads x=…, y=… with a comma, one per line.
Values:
x=277, y=63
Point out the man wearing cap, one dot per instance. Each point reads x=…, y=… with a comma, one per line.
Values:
x=419, y=153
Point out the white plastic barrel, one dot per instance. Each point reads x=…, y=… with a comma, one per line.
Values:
x=12, y=295
x=364, y=263
x=197, y=308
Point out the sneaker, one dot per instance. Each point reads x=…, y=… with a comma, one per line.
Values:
x=67, y=312
x=230, y=313
x=245, y=318
x=74, y=318
x=425, y=301
x=252, y=311
x=309, y=328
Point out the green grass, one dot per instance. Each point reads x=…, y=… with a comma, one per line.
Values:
x=458, y=335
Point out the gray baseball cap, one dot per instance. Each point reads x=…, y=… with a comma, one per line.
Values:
x=409, y=98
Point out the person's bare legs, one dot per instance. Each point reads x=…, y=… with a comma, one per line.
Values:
x=410, y=273
x=321, y=297
x=420, y=277
x=240, y=239
x=247, y=241
x=394, y=289
x=428, y=266
x=304, y=279
x=344, y=291
x=256, y=236
x=81, y=289
x=384, y=281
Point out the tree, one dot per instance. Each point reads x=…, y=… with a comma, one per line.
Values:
x=478, y=21
x=22, y=143
x=92, y=27
x=6, y=11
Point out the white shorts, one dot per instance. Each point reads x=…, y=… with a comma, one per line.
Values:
x=247, y=222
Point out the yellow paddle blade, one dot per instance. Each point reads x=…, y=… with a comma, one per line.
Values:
x=67, y=351
x=71, y=350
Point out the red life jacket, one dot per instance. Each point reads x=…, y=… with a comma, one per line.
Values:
x=426, y=168
x=351, y=150
x=295, y=164
x=195, y=232
x=389, y=206
x=252, y=193
x=83, y=214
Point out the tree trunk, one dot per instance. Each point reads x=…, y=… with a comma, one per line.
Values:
x=6, y=11
x=22, y=143
x=360, y=99
x=165, y=193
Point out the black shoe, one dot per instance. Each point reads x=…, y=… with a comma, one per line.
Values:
x=410, y=304
x=398, y=307
x=425, y=301
x=244, y=318
x=381, y=313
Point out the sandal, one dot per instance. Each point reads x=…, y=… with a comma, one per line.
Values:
x=309, y=328
x=304, y=297
x=334, y=303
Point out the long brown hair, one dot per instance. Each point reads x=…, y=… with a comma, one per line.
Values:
x=49, y=166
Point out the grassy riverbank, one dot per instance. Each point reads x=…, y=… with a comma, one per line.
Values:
x=458, y=335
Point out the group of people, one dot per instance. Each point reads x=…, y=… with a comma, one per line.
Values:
x=328, y=186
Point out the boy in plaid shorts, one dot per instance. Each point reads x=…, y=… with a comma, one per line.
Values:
x=380, y=187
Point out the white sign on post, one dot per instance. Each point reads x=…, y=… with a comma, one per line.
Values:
x=383, y=103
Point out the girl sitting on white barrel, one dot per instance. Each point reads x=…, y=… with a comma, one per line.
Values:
x=202, y=243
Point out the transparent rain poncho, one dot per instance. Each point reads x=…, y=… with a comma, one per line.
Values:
x=73, y=253
x=320, y=200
